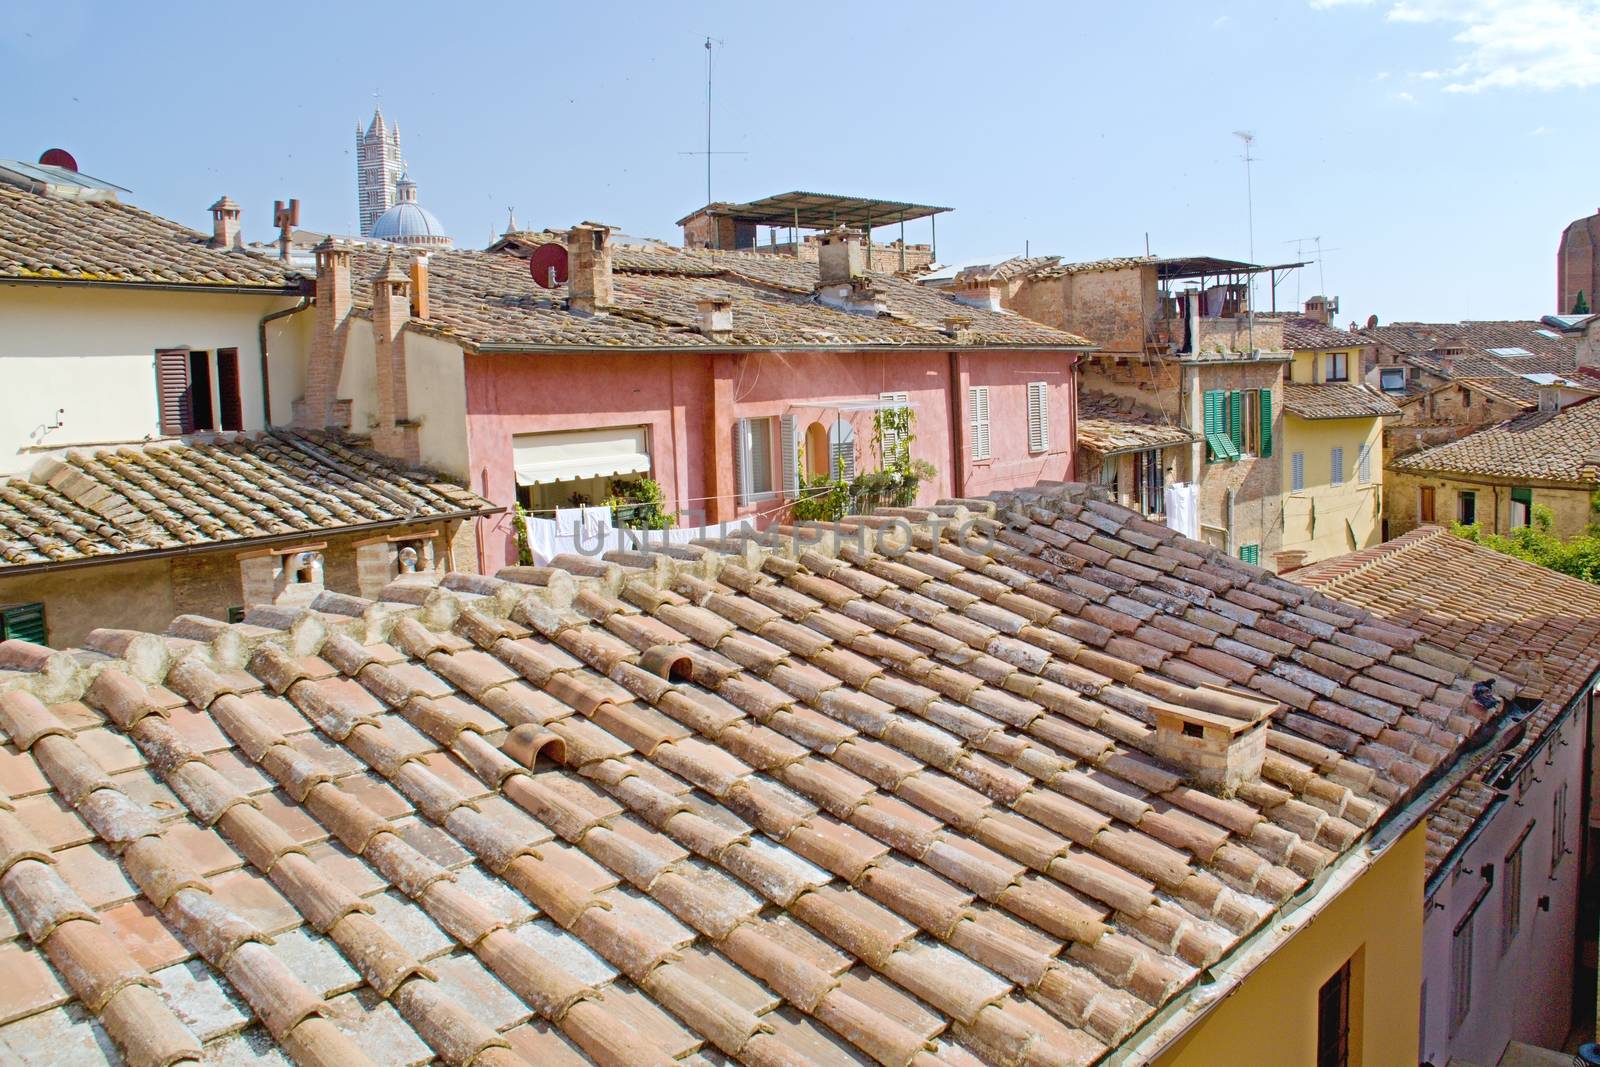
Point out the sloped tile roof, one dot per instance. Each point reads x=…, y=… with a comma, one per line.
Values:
x=1336, y=400
x=45, y=238
x=814, y=809
x=1559, y=446
x=1533, y=626
x=112, y=502
x=489, y=298
x=1301, y=332
x=1420, y=342
x=1110, y=425
x=1087, y=266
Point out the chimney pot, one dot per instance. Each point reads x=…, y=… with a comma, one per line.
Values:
x=589, y=267
x=419, y=287
x=841, y=258
x=225, y=224
x=716, y=317
x=1220, y=747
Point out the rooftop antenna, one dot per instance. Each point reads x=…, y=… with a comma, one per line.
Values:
x=1299, y=253
x=1249, y=140
x=716, y=237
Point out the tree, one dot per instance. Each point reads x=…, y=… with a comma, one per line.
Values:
x=1578, y=556
x=1580, y=306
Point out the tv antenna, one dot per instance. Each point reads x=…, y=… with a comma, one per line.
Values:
x=1299, y=253
x=707, y=152
x=1249, y=140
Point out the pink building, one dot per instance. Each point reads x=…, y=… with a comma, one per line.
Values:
x=731, y=378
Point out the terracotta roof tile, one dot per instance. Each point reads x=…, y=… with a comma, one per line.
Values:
x=1559, y=446
x=1335, y=400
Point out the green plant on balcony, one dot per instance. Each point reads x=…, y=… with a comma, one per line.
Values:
x=638, y=504
x=830, y=497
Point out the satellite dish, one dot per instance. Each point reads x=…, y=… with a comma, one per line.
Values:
x=548, y=265
x=59, y=157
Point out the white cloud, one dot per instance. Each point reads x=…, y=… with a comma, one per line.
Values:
x=1508, y=44
x=1219, y=22
x=1402, y=98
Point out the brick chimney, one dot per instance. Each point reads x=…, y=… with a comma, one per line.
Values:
x=225, y=224
x=1220, y=743
x=589, y=268
x=1318, y=307
x=325, y=365
x=715, y=317
x=841, y=259
x=419, y=288
x=396, y=433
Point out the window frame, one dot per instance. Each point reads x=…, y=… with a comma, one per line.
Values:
x=1511, y=893
x=1336, y=466
x=1463, y=496
x=748, y=431
x=20, y=620
x=1461, y=953
x=1427, y=504
x=1038, y=417
x=1384, y=374
x=1297, y=472
x=980, y=447
x=1333, y=999
x=1558, y=827
x=1521, y=497
x=1336, y=367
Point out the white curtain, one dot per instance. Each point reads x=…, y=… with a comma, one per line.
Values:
x=1183, y=508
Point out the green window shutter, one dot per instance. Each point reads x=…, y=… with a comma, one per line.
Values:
x=1211, y=423
x=1250, y=554
x=1266, y=423
x=1235, y=429
x=1522, y=495
x=23, y=622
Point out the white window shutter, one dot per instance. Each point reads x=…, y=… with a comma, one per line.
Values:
x=978, y=409
x=1297, y=468
x=1364, y=465
x=1038, y=416
x=842, y=450
x=741, y=460
x=1336, y=466
x=790, y=461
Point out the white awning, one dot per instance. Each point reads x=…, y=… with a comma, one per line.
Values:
x=541, y=458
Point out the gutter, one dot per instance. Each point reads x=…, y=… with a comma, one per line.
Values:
x=261, y=343
x=161, y=287
x=565, y=350
x=242, y=544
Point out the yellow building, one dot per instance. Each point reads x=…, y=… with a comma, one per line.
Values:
x=1332, y=451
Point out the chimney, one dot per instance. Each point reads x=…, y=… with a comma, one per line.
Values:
x=225, y=224
x=716, y=317
x=589, y=268
x=1550, y=396
x=1220, y=743
x=396, y=433
x=1317, y=307
x=326, y=362
x=419, y=287
x=1290, y=559
x=840, y=258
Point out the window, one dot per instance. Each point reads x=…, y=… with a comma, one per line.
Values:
x=1558, y=827
x=1038, y=416
x=1521, y=506
x=1150, y=480
x=23, y=622
x=889, y=439
x=1297, y=471
x=185, y=397
x=753, y=459
x=1250, y=440
x=1392, y=379
x=1335, y=367
x=1250, y=554
x=1264, y=423
x=1467, y=507
x=1511, y=895
x=842, y=450
x=1425, y=501
x=978, y=420
x=1461, y=972
x=1364, y=465
x=1333, y=1020
x=1336, y=467
x=1220, y=437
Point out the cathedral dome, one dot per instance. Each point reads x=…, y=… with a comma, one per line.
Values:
x=408, y=222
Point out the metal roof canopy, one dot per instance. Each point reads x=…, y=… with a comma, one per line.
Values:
x=64, y=182
x=823, y=211
x=1209, y=266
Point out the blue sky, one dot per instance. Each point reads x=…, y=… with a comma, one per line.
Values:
x=1437, y=148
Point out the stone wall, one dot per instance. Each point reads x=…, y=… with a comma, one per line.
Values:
x=1569, y=505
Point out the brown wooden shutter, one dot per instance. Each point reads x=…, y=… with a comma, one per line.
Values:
x=172, y=391
x=228, y=389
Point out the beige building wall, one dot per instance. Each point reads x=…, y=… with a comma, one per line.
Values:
x=436, y=388
x=1570, y=505
x=89, y=353
x=1324, y=519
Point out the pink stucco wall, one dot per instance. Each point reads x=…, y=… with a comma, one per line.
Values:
x=674, y=395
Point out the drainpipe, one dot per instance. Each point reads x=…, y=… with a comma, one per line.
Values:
x=261, y=341
x=958, y=447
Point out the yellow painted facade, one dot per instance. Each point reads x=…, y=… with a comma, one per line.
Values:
x=1330, y=515
x=1271, y=1018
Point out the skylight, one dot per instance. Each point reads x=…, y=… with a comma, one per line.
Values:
x=1510, y=351
x=1549, y=333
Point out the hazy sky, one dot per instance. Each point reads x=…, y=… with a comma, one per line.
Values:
x=1437, y=148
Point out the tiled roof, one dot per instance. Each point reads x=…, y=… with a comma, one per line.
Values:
x=1533, y=626
x=1110, y=263
x=1301, y=332
x=1111, y=425
x=800, y=810
x=106, y=502
x=1559, y=446
x=1420, y=341
x=489, y=298
x=45, y=238
x=1336, y=400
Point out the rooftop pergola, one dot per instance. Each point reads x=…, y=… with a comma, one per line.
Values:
x=1230, y=271
x=825, y=211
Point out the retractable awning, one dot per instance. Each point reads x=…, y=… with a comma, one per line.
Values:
x=541, y=458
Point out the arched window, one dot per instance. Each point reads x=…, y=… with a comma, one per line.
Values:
x=818, y=454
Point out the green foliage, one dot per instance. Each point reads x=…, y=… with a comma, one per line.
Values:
x=1580, y=306
x=524, y=552
x=639, y=504
x=828, y=498
x=1578, y=556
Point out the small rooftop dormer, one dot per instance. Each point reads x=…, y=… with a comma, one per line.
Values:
x=1220, y=745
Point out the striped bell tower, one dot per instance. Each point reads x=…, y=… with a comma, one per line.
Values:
x=379, y=166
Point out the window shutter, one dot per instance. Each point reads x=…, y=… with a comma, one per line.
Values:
x=1038, y=416
x=741, y=460
x=842, y=448
x=890, y=442
x=1297, y=471
x=228, y=389
x=22, y=622
x=789, y=460
x=172, y=391
x=1364, y=465
x=978, y=402
x=1235, y=429
x=1250, y=554
x=1336, y=466
x=1266, y=423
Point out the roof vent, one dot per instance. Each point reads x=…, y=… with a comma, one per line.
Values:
x=716, y=317
x=1221, y=747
